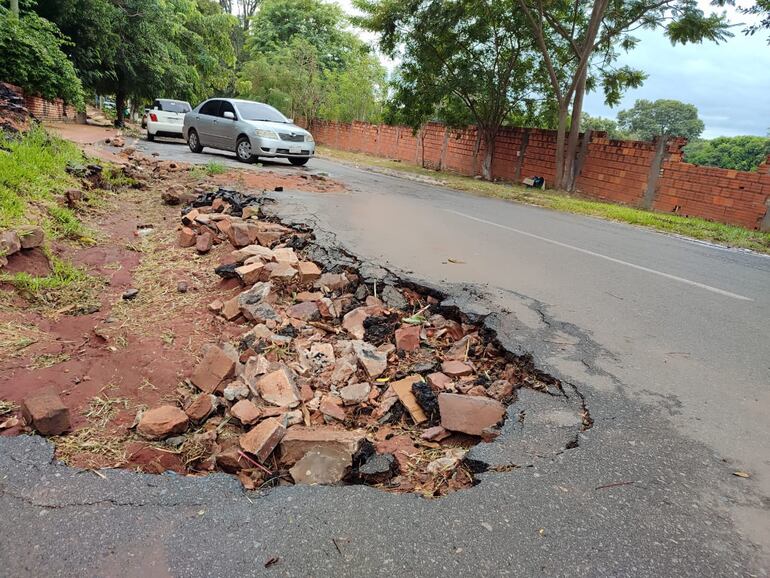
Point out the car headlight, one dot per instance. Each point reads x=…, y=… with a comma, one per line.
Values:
x=309, y=138
x=264, y=133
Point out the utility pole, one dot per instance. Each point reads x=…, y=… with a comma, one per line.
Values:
x=15, y=8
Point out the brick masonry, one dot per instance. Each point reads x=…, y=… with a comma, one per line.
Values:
x=46, y=110
x=612, y=170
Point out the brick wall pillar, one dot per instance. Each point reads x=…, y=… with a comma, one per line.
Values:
x=654, y=175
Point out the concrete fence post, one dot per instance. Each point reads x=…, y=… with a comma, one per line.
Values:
x=654, y=175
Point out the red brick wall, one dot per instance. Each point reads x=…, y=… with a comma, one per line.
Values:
x=723, y=195
x=613, y=170
x=616, y=170
x=50, y=111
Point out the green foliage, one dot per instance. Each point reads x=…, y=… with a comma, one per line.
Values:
x=599, y=123
x=32, y=172
x=303, y=62
x=744, y=153
x=147, y=49
x=33, y=58
x=462, y=61
x=647, y=119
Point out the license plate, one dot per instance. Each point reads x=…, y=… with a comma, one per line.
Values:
x=295, y=150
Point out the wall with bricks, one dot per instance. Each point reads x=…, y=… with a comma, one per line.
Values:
x=46, y=110
x=630, y=172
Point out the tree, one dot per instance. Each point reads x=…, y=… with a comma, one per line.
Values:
x=320, y=24
x=33, y=58
x=143, y=49
x=598, y=123
x=579, y=39
x=744, y=153
x=647, y=120
x=302, y=60
x=460, y=59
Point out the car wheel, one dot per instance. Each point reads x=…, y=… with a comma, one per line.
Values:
x=193, y=142
x=243, y=150
x=297, y=162
x=150, y=136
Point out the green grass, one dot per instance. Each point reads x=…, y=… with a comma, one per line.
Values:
x=66, y=289
x=694, y=227
x=32, y=174
x=210, y=169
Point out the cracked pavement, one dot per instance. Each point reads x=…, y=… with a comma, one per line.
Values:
x=675, y=378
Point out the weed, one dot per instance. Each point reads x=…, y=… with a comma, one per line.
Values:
x=32, y=171
x=67, y=289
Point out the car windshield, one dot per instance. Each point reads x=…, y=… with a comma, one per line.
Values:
x=173, y=106
x=257, y=111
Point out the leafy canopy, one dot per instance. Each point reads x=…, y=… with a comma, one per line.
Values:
x=648, y=119
x=304, y=61
x=744, y=153
x=33, y=58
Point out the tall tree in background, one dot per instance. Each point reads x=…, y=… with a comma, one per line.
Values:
x=473, y=53
x=301, y=59
x=647, y=120
x=144, y=49
x=598, y=123
x=578, y=41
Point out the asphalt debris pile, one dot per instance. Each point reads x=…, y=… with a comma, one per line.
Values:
x=333, y=380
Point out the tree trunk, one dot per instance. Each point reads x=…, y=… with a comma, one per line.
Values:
x=574, y=133
x=15, y=8
x=490, y=140
x=560, y=141
x=120, y=105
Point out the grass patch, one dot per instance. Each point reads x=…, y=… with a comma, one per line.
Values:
x=32, y=172
x=49, y=360
x=15, y=337
x=694, y=227
x=90, y=440
x=67, y=289
x=103, y=409
x=210, y=169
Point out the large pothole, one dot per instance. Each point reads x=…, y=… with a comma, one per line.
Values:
x=344, y=377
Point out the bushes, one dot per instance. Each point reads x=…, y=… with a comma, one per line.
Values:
x=33, y=59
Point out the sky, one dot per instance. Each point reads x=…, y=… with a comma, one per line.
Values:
x=729, y=82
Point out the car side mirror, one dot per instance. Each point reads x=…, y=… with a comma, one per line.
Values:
x=229, y=115
x=290, y=120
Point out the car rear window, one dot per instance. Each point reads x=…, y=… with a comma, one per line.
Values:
x=175, y=106
x=259, y=111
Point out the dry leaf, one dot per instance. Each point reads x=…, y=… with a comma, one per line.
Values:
x=742, y=474
x=9, y=423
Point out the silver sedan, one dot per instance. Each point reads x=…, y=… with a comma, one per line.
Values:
x=250, y=129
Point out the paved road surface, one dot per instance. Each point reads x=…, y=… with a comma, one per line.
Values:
x=667, y=339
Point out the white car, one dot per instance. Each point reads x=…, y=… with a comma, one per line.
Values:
x=166, y=117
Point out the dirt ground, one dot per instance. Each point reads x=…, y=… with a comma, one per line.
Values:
x=124, y=355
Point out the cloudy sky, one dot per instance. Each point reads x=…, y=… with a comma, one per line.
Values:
x=729, y=83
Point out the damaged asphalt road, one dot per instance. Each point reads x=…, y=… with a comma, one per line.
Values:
x=633, y=495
